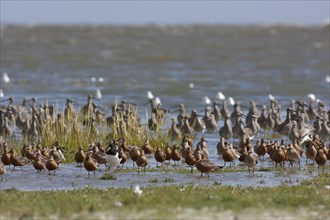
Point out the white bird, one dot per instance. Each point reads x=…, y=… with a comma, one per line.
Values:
x=157, y=101
x=1, y=93
x=98, y=94
x=271, y=97
x=112, y=157
x=221, y=96
x=191, y=85
x=101, y=79
x=231, y=101
x=311, y=96
x=304, y=139
x=113, y=160
x=93, y=79
x=207, y=100
x=6, y=78
x=327, y=79
x=150, y=95
x=137, y=190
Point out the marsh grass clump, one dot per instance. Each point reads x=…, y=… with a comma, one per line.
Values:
x=155, y=180
x=80, y=129
x=169, y=180
x=108, y=176
x=264, y=169
x=215, y=183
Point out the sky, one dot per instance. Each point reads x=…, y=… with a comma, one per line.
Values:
x=308, y=12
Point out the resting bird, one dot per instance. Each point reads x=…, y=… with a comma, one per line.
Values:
x=112, y=156
x=206, y=166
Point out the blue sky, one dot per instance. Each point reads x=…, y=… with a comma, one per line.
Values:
x=165, y=12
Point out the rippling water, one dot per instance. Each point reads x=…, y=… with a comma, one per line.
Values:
x=245, y=62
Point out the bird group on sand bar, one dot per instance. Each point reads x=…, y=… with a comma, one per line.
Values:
x=246, y=137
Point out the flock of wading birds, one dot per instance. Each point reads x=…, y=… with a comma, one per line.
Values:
x=306, y=126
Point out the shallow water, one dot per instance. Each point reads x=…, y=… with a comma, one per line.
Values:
x=245, y=62
x=69, y=176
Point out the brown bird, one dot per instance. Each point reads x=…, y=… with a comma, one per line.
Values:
x=175, y=154
x=30, y=154
x=297, y=147
x=2, y=170
x=278, y=156
x=199, y=152
x=147, y=148
x=38, y=164
x=142, y=161
x=271, y=146
x=123, y=144
x=99, y=146
x=188, y=139
x=51, y=165
x=244, y=153
x=57, y=155
x=159, y=156
x=89, y=164
x=248, y=144
x=123, y=156
x=79, y=156
x=25, y=146
x=229, y=154
x=99, y=156
x=190, y=159
x=206, y=166
x=320, y=159
x=221, y=146
x=5, y=158
x=174, y=133
x=184, y=147
x=168, y=153
x=44, y=152
x=186, y=128
x=17, y=162
x=250, y=160
x=134, y=154
x=226, y=131
x=311, y=152
x=293, y=155
x=260, y=149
